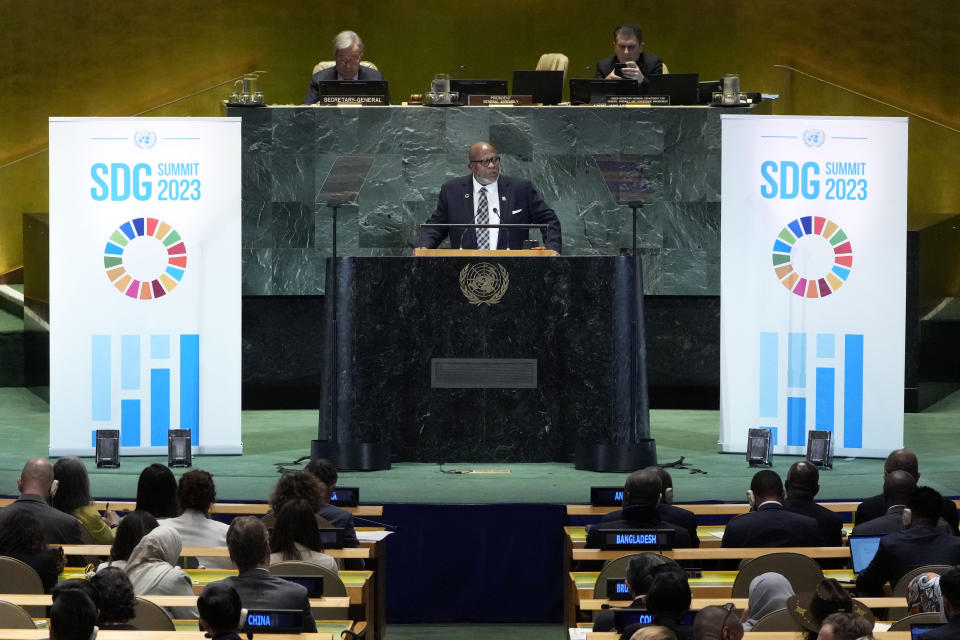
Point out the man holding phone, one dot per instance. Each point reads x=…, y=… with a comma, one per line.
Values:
x=629, y=61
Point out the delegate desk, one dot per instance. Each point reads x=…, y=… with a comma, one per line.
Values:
x=38, y=634
x=710, y=536
x=769, y=635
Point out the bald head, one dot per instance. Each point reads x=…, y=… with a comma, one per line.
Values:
x=717, y=623
x=902, y=460
x=484, y=163
x=897, y=487
x=642, y=487
x=803, y=478
x=36, y=477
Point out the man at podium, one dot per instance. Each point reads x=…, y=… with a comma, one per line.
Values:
x=487, y=197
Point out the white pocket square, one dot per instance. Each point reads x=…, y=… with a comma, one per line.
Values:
x=516, y=211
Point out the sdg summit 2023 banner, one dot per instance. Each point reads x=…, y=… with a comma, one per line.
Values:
x=144, y=282
x=813, y=281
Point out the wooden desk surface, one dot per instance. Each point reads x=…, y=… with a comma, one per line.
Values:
x=591, y=604
x=29, y=634
x=237, y=508
x=45, y=600
x=768, y=635
x=715, y=553
x=712, y=584
x=710, y=536
x=484, y=253
x=716, y=509
x=210, y=552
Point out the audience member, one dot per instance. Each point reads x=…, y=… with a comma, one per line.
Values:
x=809, y=610
x=22, y=538
x=300, y=484
x=628, y=51
x=73, y=616
x=717, y=623
x=36, y=484
x=897, y=487
x=924, y=595
x=130, y=532
x=219, y=606
x=876, y=506
x=653, y=633
x=73, y=497
x=768, y=593
x=768, y=524
x=250, y=551
x=295, y=536
x=641, y=495
x=668, y=601
x=196, y=494
x=674, y=514
x=157, y=492
x=116, y=598
x=347, y=54
x=917, y=545
x=844, y=626
x=950, y=587
x=802, y=485
x=638, y=577
x=152, y=570
x=77, y=584
x=326, y=473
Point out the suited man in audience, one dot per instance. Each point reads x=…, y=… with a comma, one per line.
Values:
x=347, y=53
x=897, y=488
x=628, y=50
x=249, y=548
x=802, y=485
x=768, y=524
x=717, y=623
x=876, y=506
x=642, y=569
x=919, y=544
x=487, y=197
x=36, y=485
x=950, y=588
x=641, y=496
x=667, y=602
x=674, y=514
x=326, y=472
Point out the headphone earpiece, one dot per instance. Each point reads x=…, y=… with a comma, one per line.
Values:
x=668, y=495
x=243, y=618
x=53, y=487
x=93, y=634
x=751, y=499
x=906, y=518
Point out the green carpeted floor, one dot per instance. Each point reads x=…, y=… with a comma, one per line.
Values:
x=282, y=436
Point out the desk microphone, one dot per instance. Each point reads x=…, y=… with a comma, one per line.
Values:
x=388, y=527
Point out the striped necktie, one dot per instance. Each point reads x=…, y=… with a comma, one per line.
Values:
x=483, y=217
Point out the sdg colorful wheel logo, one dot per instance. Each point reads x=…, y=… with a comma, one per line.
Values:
x=145, y=258
x=819, y=245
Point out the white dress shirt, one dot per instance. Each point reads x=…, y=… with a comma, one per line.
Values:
x=493, y=208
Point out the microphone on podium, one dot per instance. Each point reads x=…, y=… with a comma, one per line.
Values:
x=496, y=212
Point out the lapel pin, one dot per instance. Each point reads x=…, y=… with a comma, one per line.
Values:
x=466, y=195
x=504, y=198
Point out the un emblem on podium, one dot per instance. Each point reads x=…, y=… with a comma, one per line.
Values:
x=484, y=283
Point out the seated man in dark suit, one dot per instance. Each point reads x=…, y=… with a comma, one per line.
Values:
x=802, y=485
x=639, y=576
x=641, y=495
x=326, y=473
x=486, y=197
x=628, y=50
x=919, y=544
x=36, y=486
x=876, y=506
x=219, y=607
x=347, y=53
x=950, y=588
x=769, y=524
x=668, y=602
x=671, y=513
x=897, y=488
x=258, y=589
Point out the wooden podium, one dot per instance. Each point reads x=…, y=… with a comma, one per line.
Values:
x=484, y=253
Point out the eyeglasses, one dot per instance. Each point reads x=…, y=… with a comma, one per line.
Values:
x=346, y=59
x=488, y=162
x=729, y=608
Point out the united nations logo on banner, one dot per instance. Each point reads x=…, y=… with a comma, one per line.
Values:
x=145, y=139
x=814, y=137
x=484, y=283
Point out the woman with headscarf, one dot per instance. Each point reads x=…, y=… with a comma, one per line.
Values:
x=768, y=593
x=152, y=570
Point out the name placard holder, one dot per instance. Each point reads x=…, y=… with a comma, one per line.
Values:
x=482, y=100
x=353, y=100
x=638, y=101
x=653, y=539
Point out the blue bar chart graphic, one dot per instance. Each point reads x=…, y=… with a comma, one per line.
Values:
x=142, y=383
x=803, y=378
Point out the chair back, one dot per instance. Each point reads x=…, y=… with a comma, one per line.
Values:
x=554, y=62
x=332, y=585
x=14, y=617
x=19, y=577
x=326, y=64
x=903, y=584
x=148, y=616
x=803, y=573
x=779, y=620
x=616, y=568
x=665, y=70
x=903, y=624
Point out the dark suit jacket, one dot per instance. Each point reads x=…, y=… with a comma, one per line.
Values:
x=637, y=517
x=890, y=522
x=667, y=513
x=670, y=622
x=772, y=526
x=949, y=631
x=330, y=73
x=343, y=519
x=604, y=620
x=258, y=588
x=830, y=522
x=877, y=506
x=901, y=551
x=58, y=527
x=455, y=206
x=648, y=63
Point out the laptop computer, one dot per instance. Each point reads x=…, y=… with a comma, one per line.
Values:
x=478, y=88
x=546, y=87
x=683, y=88
x=313, y=584
x=862, y=550
x=335, y=88
x=595, y=91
